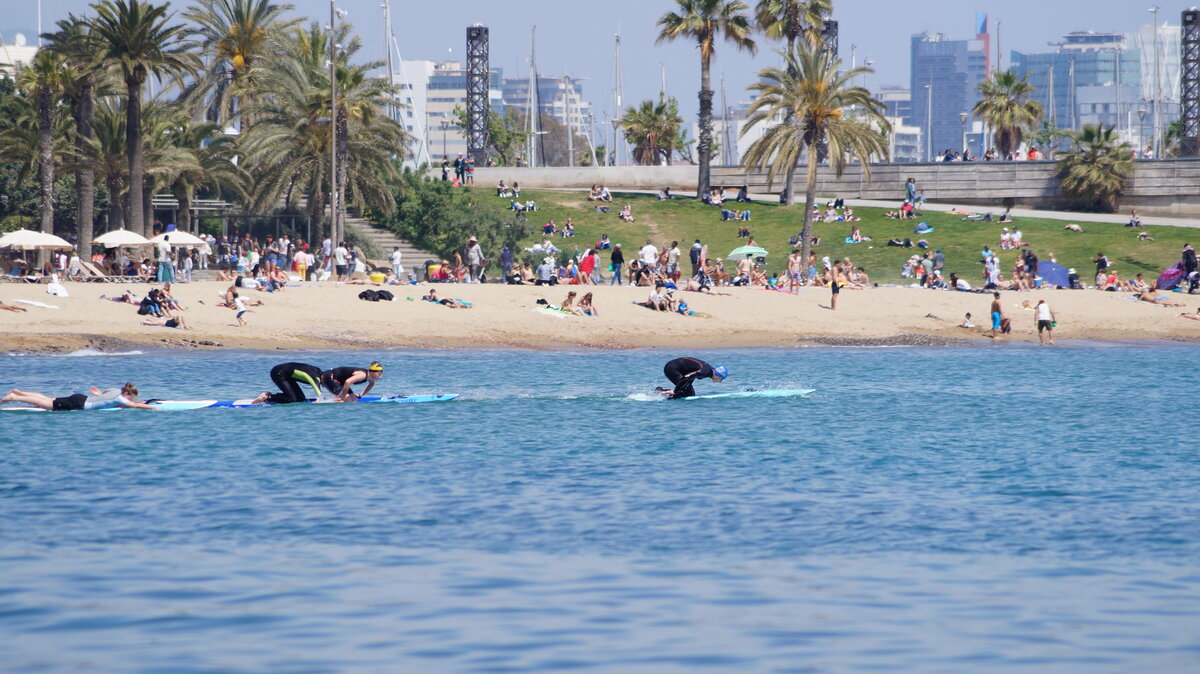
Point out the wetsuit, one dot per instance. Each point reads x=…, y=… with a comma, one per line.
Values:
x=683, y=371
x=333, y=380
x=288, y=377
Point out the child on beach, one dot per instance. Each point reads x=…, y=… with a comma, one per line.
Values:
x=239, y=305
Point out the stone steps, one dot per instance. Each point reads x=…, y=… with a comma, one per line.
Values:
x=386, y=241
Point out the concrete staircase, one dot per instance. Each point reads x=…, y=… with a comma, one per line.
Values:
x=386, y=242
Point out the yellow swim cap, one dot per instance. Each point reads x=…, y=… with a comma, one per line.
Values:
x=375, y=367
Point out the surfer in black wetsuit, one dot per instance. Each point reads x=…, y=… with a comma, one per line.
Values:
x=339, y=380
x=684, y=371
x=288, y=377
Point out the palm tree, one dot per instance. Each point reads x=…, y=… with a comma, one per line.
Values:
x=288, y=146
x=235, y=34
x=706, y=21
x=1005, y=106
x=789, y=20
x=1097, y=167
x=652, y=129
x=105, y=153
x=44, y=80
x=813, y=99
x=138, y=42
x=74, y=42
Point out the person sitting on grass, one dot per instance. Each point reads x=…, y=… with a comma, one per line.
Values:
x=626, y=213
x=594, y=194
x=855, y=235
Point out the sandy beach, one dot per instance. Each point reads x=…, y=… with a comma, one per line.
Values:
x=331, y=316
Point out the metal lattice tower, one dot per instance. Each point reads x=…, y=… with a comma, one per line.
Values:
x=1189, y=83
x=478, y=105
x=829, y=36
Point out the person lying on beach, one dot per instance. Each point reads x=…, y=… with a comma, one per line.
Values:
x=173, y=322
x=94, y=400
x=125, y=298
x=1194, y=317
x=11, y=307
x=446, y=301
x=1153, y=297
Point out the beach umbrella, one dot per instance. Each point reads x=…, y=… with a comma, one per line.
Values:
x=1053, y=274
x=24, y=239
x=1166, y=280
x=741, y=252
x=178, y=239
x=120, y=237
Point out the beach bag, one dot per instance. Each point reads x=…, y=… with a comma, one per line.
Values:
x=369, y=296
x=384, y=295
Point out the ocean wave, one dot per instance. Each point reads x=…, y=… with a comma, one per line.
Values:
x=88, y=353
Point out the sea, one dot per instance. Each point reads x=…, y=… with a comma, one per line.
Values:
x=1002, y=508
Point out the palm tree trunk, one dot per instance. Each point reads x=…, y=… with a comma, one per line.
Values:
x=810, y=196
x=789, y=189
x=46, y=156
x=316, y=207
x=147, y=204
x=133, y=152
x=184, y=196
x=85, y=178
x=116, y=203
x=706, y=98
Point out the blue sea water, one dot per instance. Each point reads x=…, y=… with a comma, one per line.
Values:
x=928, y=510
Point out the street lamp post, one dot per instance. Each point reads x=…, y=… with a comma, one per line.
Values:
x=1141, y=130
x=929, y=122
x=962, y=119
x=1156, y=122
x=445, y=128
x=336, y=233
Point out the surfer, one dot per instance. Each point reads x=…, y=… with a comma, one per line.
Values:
x=95, y=400
x=288, y=377
x=684, y=371
x=339, y=380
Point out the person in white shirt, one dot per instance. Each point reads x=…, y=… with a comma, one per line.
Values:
x=340, y=256
x=1044, y=320
x=673, y=261
x=166, y=270
x=326, y=253
x=649, y=256
x=396, y=259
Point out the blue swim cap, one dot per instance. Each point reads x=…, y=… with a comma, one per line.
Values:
x=720, y=371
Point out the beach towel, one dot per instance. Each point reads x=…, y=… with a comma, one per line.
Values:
x=37, y=304
x=849, y=240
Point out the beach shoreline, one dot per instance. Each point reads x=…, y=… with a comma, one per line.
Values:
x=331, y=317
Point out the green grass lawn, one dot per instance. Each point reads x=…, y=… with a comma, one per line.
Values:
x=772, y=225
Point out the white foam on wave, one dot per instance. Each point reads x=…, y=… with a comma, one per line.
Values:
x=89, y=353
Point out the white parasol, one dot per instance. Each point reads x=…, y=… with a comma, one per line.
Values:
x=25, y=239
x=177, y=239
x=120, y=237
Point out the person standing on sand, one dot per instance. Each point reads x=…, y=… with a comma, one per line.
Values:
x=997, y=315
x=1044, y=320
x=835, y=287
x=616, y=261
x=795, y=270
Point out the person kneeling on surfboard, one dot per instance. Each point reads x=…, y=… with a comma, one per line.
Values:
x=339, y=380
x=288, y=377
x=97, y=400
x=683, y=371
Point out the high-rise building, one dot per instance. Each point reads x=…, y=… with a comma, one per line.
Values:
x=1091, y=78
x=555, y=96
x=431, y=91
x=943, y=82
x=897, y=101
x=12, y=53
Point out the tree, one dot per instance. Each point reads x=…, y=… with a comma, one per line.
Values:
x=1097, y=167
x=75, y=42
x=706, y=21
x=1005, y=106
x=44, y=80
x=653, y=130
x=235, y=34
x=1050, y=138
x=812, y=98
x=288, y=147
x=507, y=134
x=137, y=41
x=789, y=20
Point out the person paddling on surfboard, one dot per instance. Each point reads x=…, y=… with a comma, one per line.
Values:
x=339, y=380
x=684, y=371
x=97, y=400
x=288, y=377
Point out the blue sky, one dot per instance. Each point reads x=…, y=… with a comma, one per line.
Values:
x=576, y=36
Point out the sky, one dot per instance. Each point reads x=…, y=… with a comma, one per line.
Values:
x=576, y=37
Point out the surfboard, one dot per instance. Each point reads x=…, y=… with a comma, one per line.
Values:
x=248, y=402
x=768, y=393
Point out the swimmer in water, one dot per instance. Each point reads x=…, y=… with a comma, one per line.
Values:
x=684, y=371
x=95, y=400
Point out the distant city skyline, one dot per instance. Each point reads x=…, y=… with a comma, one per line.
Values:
x=581, y=43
